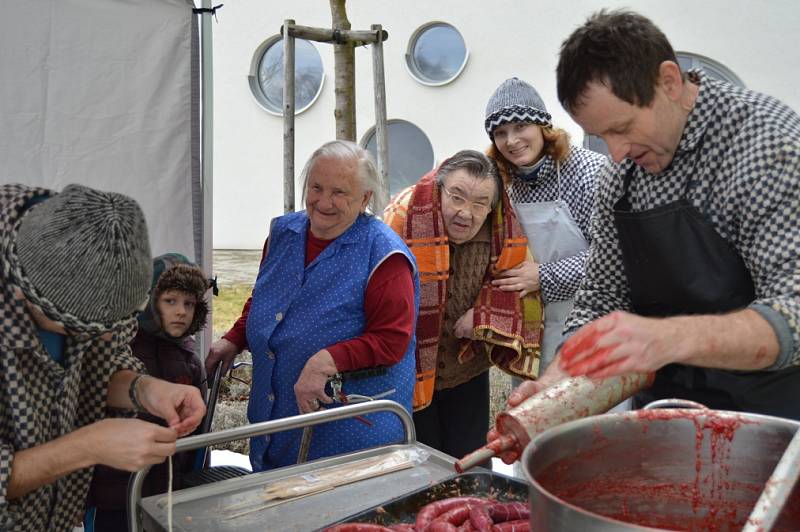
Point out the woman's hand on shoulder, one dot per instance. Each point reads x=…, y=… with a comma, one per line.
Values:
x=524, y=278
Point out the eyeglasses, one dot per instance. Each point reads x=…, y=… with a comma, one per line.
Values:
x=459, y=202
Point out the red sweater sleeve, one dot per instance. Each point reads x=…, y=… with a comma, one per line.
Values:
x=389, y=310
x=238, y=333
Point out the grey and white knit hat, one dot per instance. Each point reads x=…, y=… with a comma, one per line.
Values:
x=515, y=101
x=83, y=257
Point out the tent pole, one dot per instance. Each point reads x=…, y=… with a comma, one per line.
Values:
x=207, y=151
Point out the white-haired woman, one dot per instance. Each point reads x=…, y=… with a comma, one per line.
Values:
x=337, y=291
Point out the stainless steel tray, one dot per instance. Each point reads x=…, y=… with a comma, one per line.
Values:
x=202, y=508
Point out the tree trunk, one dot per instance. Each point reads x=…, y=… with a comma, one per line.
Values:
x=344, y=78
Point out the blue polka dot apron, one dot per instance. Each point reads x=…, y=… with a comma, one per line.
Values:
x=298, y=310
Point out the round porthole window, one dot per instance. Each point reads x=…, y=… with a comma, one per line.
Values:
x=410, y=153
x=715, y=69
x=266, y=75
x=436, y=54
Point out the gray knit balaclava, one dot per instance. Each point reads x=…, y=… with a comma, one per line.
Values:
x=83, y=257
x=515, y=101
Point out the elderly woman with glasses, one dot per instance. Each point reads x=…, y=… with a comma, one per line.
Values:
x=459, y=225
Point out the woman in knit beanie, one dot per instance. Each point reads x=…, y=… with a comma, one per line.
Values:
x=551, y=185
x=164, y=342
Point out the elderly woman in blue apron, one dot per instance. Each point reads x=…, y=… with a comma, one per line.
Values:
x=551, y=185
x=337, y=293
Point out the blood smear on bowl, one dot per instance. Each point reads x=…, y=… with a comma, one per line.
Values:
x=665, y=469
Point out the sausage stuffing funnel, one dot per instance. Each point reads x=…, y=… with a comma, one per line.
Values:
x=569, y=399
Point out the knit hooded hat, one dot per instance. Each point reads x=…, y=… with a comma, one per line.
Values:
x=83, y=258
x=515, y=101
x=173, y=271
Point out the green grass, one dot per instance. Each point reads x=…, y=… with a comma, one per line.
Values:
x=231, y=410
x=228, y=306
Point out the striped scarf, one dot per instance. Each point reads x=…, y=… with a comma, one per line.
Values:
x=510, y=327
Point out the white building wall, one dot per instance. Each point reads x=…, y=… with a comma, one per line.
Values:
x=755, y=39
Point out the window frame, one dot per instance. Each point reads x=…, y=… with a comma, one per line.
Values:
x=255, y=85
x=701, y=61
x=410, y=61
x=369, y=134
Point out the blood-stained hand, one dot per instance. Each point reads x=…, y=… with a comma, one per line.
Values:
x=620, y=343
x=522, y=392
x=309, y=390
x=524, y=278
x=518, y=395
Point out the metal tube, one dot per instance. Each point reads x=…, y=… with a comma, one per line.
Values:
x=777, y=489
x=269, y=427
x=207, y=160
x=288, y=117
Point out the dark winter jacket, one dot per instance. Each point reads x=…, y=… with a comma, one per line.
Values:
x=173, y=360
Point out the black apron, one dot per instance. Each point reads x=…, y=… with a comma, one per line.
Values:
x=677, y=264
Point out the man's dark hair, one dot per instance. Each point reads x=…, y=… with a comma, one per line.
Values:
x=621, y=49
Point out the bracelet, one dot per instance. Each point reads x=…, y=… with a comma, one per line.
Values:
x=134, y=397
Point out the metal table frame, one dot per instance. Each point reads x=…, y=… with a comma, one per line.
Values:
x=267, y=427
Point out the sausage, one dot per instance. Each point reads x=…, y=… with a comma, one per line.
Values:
x=510, y=511
x=432, y=510
x=520, y=525
x=357, y=527
x=479, y=518
x=402, y=527
x=441, y=526
x=466, y=527
x=455, y=516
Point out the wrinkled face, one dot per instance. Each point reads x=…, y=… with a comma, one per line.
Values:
x=466, y=202
x=648, y=136
x=334, y=196
x=520, y=143
x=176, y=309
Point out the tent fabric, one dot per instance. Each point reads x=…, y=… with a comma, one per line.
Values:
x=99, y=92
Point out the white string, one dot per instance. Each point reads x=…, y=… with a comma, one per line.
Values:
x=169, y=495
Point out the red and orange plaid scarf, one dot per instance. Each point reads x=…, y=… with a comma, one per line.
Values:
x=509, y=326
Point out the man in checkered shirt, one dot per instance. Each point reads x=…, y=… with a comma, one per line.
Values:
x=74, y=270
x=693, y=268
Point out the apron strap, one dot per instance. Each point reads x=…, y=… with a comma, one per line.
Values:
x=558, y=178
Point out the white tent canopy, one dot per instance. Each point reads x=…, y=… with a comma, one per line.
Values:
x=104, y=93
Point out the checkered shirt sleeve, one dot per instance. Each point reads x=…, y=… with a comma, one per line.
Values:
x=738, y=163
x=40, y=400
x=560, y=279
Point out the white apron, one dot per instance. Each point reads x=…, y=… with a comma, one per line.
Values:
x=552, y=235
